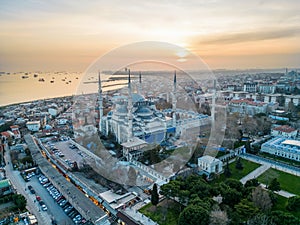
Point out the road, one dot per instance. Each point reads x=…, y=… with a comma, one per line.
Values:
x=19, y=184
x=43, y=217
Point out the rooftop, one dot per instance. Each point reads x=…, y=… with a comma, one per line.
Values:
x=5, y=183
x=291, y=142
x=285, y=128
x=133, y=143
x=208, y=158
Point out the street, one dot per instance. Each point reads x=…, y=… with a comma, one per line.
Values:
x=43, y=217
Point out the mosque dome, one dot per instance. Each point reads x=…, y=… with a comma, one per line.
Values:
x=144, y=111
x=121, y=110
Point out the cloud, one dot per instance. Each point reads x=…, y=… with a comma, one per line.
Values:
x=259, y=35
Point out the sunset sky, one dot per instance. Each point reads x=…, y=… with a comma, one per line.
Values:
x=69, y=35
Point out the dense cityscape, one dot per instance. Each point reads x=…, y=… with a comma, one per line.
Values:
x=49, y=162
x=150, y=112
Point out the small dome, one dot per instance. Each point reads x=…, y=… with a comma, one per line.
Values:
x=144, y=111
x=121, y=110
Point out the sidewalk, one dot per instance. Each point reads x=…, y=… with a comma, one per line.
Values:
x=255, y=173
x=281, y=192
x=260, y=170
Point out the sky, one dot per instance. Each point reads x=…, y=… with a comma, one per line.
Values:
x=70, y=35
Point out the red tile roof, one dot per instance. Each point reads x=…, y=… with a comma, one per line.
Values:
x=5, y=134
x=14, y=127
x=285, y=128
x=248, y=102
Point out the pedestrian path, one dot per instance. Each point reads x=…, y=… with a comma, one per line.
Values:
x=254, y=174
x=260, y=170
x=281, y=192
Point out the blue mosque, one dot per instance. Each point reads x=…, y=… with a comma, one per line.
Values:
x=135, y=117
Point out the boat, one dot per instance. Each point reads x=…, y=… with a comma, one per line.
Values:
x=24, y=77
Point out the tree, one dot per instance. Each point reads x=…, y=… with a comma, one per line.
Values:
x=260, y=219
x=293, y=204
x=274, y=185
x=192, y=215
x=246, y=209
x=248, y=146
x=238, y=164
x=283, y=218
x=154, y=195
x=251, y=183
x=234, y=184
x=261, y=199
x=227, y=171
x=232, y=130
x=231, y=197
x=218, y=217
x=20, y=201
x=171, y=189
x=249, y=125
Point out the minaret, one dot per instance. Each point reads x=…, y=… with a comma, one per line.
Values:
x=174, y=101
x=140, y=84
x=129, y=108
x=213, y=107
x=100, y=102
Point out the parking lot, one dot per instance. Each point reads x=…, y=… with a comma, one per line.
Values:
x=53, y=209
x=67, y=153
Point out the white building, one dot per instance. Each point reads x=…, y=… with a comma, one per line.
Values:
x=16, y=131
x=33, y=125
x=210, y=164
x=245, y=106
x=284, y=131
x=249, y=87
x=295, y=99
x=266, y=88
x=271, y=98
x=283, y=147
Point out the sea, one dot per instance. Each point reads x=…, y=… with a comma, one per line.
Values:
x=24, y=87
x=27, y=86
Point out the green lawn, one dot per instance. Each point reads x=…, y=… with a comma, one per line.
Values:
x=281, y=204
x=166, y=213
x=288, y=182
x=239, y=174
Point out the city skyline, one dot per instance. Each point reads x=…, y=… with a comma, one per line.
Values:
x=40, y=35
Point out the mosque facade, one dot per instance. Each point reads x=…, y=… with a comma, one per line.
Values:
x=133, y=116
